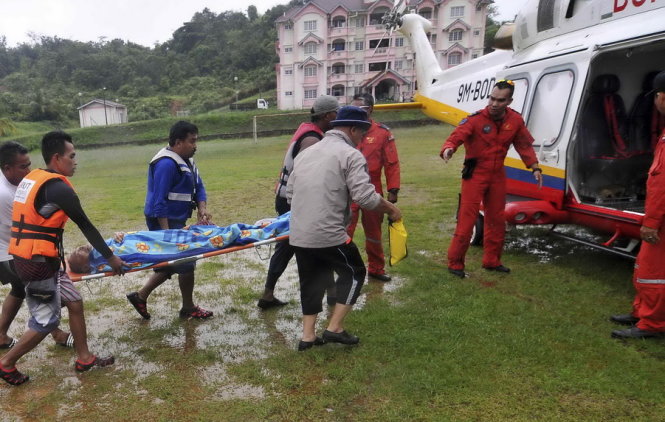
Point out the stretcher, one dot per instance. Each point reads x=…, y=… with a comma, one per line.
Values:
x=230, y=249
x=155, y=249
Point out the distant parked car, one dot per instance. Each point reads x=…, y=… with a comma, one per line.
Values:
x=260, y=104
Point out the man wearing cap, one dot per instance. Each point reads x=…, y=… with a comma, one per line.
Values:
x=487, y=135
x=325, y=180
x=648, y=315
x=378, y=148
x=323, y=112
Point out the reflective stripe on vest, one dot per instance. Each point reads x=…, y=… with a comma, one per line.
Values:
x=33, y=234
x=175, y=196
x=651, y=281
x=182, y=165
x=287, y=167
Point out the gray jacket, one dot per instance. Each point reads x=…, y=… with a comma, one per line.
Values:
x=326, y=178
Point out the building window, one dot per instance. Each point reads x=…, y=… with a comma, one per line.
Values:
x=399, y=42
x=339, y=22
x=360, y=45
x=288, y=49
x=377, y=67
x=310, y=26
x=425, y=13
x=337, y=68
x=376, y=18
x=337, y=91
x=310, y=94
x=288, y=71
x=432, y=39
x=359, y=68
x=382, y=43
x=455, y=35
x=310, y=70
x=474, y=56
x=398, y=64
x=310, y=48
x=288, y=93
x=360, y=21
x=288, y=25
x=338, y=45
x=454, y=59
x=457, y=11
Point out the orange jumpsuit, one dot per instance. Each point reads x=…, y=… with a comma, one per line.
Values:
x=378, y=147
x=649, y=275
x=487, y=141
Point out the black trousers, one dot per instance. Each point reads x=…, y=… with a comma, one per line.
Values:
x=316, y=269
x=283, y=250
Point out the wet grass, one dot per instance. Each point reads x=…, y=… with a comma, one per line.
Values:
x=532, y=345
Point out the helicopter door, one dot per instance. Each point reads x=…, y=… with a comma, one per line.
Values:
x=546, y=122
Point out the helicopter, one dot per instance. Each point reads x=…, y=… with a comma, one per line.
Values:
x=582, y=71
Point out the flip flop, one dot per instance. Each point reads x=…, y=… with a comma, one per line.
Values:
x=67, y=343
x=9, y=345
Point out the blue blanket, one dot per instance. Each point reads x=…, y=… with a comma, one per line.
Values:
x=145, y=248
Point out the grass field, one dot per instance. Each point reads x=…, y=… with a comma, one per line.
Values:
x=532, y=345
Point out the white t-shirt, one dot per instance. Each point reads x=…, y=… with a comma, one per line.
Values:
x=7, y=191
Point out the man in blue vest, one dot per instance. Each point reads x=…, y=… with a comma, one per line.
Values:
x=174, y=190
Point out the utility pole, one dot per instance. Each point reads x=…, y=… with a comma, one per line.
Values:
x=235, y=80
x=106, y=119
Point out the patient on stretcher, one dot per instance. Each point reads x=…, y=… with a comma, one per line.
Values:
x=142, y=249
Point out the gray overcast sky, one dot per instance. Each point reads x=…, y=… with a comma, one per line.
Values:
x=140, y=21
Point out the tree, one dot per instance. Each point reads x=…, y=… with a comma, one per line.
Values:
x=491, y=27
x=252, y=13
x=7, y=127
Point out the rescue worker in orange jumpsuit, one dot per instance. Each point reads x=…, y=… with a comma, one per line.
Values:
x=378, y=147
x=487, y=135
x=648, y=313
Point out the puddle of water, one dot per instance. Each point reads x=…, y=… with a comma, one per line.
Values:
x=535, y=240
x=229, y=285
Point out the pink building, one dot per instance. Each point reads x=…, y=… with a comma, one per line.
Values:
x=341, y=48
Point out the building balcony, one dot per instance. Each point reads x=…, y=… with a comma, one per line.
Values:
x=334, y=78
x=374, y=53
x=340, y=32
x=338, y=55
x=375, y=29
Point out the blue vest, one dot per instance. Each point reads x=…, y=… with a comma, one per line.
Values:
x=177, y=200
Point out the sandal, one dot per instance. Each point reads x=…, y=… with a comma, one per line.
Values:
x=13, y=376
x=196, y=313
x=67, y=343
x=139, y=304
x=94, y=362
x=9, y=345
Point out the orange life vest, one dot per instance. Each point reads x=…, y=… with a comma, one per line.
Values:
x=33, y=234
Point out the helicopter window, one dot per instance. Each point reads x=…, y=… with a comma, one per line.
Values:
x=545, y=18
x=519, y=96
x=549, y=106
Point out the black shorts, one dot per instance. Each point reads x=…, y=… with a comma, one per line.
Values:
x=8, y=276
x=318, y=266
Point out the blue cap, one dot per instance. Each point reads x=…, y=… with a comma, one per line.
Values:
x=351, y=116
